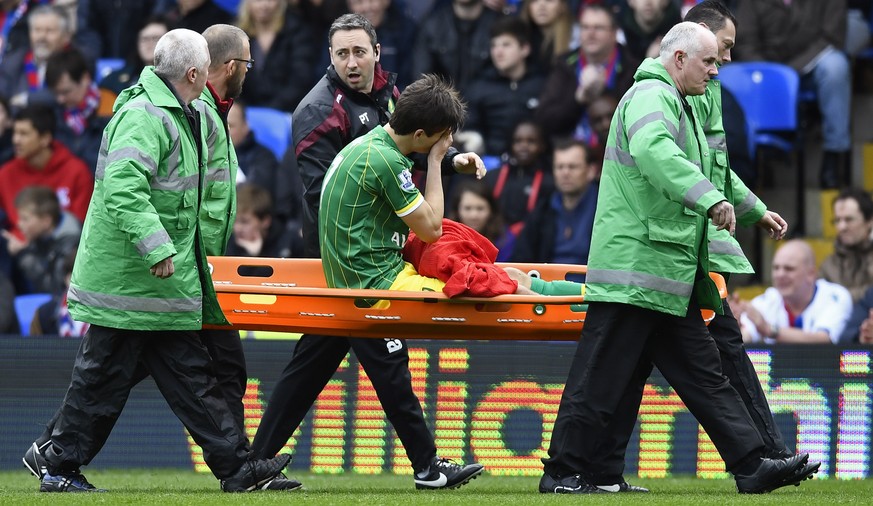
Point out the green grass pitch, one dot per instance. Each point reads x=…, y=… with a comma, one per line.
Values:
x=170, y=487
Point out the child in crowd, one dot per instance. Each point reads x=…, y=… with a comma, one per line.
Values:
x=525, y=176
x=49, y=236
x=474, y=206
x=255, y=233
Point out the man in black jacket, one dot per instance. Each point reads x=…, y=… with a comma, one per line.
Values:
x=600, y=65
x=354, y=97
x=454, y=42
x=507, y=94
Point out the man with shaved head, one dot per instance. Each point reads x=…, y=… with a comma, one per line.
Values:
x=798, y=308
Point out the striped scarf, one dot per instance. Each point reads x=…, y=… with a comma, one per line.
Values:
x=77, y=117
x=67, y=326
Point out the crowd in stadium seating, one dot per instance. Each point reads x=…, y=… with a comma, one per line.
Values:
x=542, y=79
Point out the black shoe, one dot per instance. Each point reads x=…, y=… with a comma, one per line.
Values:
x=772, y=453
x=573, y=484
x=771, y=474
x=34, y=460
x=622, y=487
x=443, y=473
x=282, y=482
x=67, y=482
x=804, y=474
x=255, y=474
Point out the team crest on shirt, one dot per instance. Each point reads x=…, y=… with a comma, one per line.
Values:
x=405, y=178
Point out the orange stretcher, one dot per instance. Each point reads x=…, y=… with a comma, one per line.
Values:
x=290, y=295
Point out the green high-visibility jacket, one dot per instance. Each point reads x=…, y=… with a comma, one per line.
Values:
x=725, y=253
x=218, y=209
x=649, y=234
x=147, y=195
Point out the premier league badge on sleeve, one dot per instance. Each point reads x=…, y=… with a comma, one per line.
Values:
x=405, y=178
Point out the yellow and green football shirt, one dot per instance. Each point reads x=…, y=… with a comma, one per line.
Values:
x=367, y=189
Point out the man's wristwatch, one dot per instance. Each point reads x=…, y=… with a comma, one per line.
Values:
x=774, y=331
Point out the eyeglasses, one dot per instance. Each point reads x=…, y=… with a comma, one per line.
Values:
x=249, y=63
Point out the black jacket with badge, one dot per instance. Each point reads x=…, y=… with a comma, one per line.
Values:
x=329, y=117
x=496, y=104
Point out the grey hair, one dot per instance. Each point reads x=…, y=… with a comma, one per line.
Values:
x=684, y=36
x=225, y=42
x=177, y=51
x=50, y=10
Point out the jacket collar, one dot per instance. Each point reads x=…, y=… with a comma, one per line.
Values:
x=159, y=91
x=652, y=68
x=210, y=95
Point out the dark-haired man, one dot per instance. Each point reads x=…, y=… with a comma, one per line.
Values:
x=85, y=109
x=851, y=263
x=503, y=96
x=559, y=228
x=369, y=204
x=600, y=65
x=354, y=97
x=42, y=160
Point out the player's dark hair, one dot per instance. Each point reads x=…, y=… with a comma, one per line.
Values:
x=431, y=104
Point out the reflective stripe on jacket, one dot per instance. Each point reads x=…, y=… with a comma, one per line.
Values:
x=725, y=253
x=144, y=209
x=654, y=198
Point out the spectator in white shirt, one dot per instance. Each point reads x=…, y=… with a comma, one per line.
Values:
x=797, y=308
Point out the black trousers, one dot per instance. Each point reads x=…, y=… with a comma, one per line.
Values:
x=228, y=366
x=736, y=366
x=314, y=361
x=611, y=358
x=107, y=368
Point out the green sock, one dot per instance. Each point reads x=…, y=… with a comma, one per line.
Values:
x=556, y=287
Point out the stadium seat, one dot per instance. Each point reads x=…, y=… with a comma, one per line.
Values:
x=768, y=94
x=271, y=127
x=492, y=162
x=106, y=66
x=867, y=54
x=231, y=6
x=26, y=306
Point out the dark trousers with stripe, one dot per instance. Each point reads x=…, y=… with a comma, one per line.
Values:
x=105, y=371
x=313, y=363
x=228, y=367
x=738, y=369
x=617, y=344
